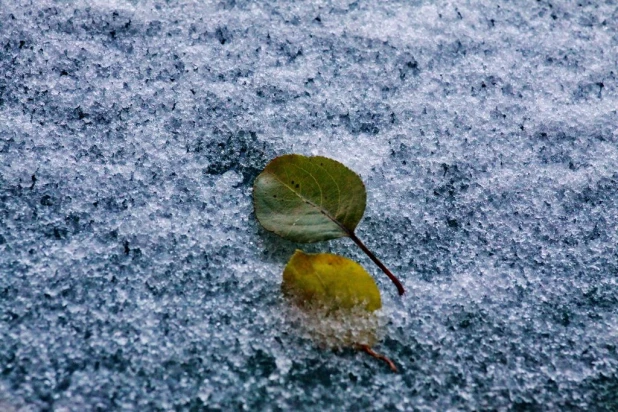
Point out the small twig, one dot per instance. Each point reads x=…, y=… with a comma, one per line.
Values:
x=373, y=257
x=376, y=355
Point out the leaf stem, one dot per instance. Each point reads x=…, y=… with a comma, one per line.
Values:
x=376, y=355
x=373, y=257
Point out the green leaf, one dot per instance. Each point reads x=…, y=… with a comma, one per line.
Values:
x=309, y=199
x=329, y=281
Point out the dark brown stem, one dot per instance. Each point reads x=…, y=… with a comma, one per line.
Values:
x=373, y=257
x=376, y=355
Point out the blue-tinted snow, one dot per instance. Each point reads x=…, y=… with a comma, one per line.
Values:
x=133, y=275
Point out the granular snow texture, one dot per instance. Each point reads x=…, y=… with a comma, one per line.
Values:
x=134, y=276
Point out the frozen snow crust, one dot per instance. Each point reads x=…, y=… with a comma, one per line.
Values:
x=133, y=275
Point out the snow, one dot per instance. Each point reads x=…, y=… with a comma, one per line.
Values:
x=134, y=276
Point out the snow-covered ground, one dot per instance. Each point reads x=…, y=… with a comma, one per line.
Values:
x=133, y=275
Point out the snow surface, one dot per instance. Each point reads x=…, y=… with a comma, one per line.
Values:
x=133, y=275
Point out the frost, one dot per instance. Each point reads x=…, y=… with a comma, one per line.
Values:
x=134, y=276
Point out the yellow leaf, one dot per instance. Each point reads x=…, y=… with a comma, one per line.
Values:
x=329, y=281
x=337, y=299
